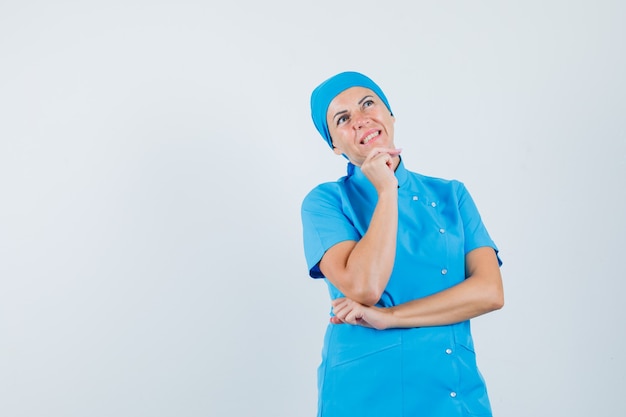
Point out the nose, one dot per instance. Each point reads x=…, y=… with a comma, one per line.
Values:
x=359, y=120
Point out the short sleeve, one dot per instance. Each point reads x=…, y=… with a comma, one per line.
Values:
x=324, y=224
x=474, y=230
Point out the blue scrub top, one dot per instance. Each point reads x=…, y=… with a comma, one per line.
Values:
x=399, y=372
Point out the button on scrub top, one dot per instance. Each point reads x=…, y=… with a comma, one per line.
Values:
x=428, y=371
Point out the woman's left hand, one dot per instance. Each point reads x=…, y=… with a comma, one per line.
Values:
x=351, y=312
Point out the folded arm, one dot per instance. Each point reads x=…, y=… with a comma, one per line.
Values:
x=480, y=293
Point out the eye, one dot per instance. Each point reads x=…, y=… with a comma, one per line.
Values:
x=342, y=119
x=368, y=103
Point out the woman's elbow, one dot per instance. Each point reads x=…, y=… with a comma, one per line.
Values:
x=493, y=292
x=495, y=301
x=497, y=304
x=368, y=296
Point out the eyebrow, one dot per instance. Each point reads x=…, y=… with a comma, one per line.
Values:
x=359, y=103
x=363, y=99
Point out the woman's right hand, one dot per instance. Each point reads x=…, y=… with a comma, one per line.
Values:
x=379, y=167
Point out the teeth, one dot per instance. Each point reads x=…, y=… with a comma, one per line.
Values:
x=369, y=137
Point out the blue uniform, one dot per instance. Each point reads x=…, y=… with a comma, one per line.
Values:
x=429, y=371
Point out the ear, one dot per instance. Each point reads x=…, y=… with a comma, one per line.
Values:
x=337, y=151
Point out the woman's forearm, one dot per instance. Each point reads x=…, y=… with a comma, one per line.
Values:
x=371, y=261
x=361, y=270
x=471, y=298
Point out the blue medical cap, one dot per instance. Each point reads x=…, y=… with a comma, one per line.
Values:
x=329, y=89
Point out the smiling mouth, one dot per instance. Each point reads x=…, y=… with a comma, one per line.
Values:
x=370, y=137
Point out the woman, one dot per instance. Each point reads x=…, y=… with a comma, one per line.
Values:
x=407, y=261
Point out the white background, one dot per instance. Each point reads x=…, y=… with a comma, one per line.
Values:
x=154, y=155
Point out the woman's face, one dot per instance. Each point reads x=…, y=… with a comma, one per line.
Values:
x=359, y=121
